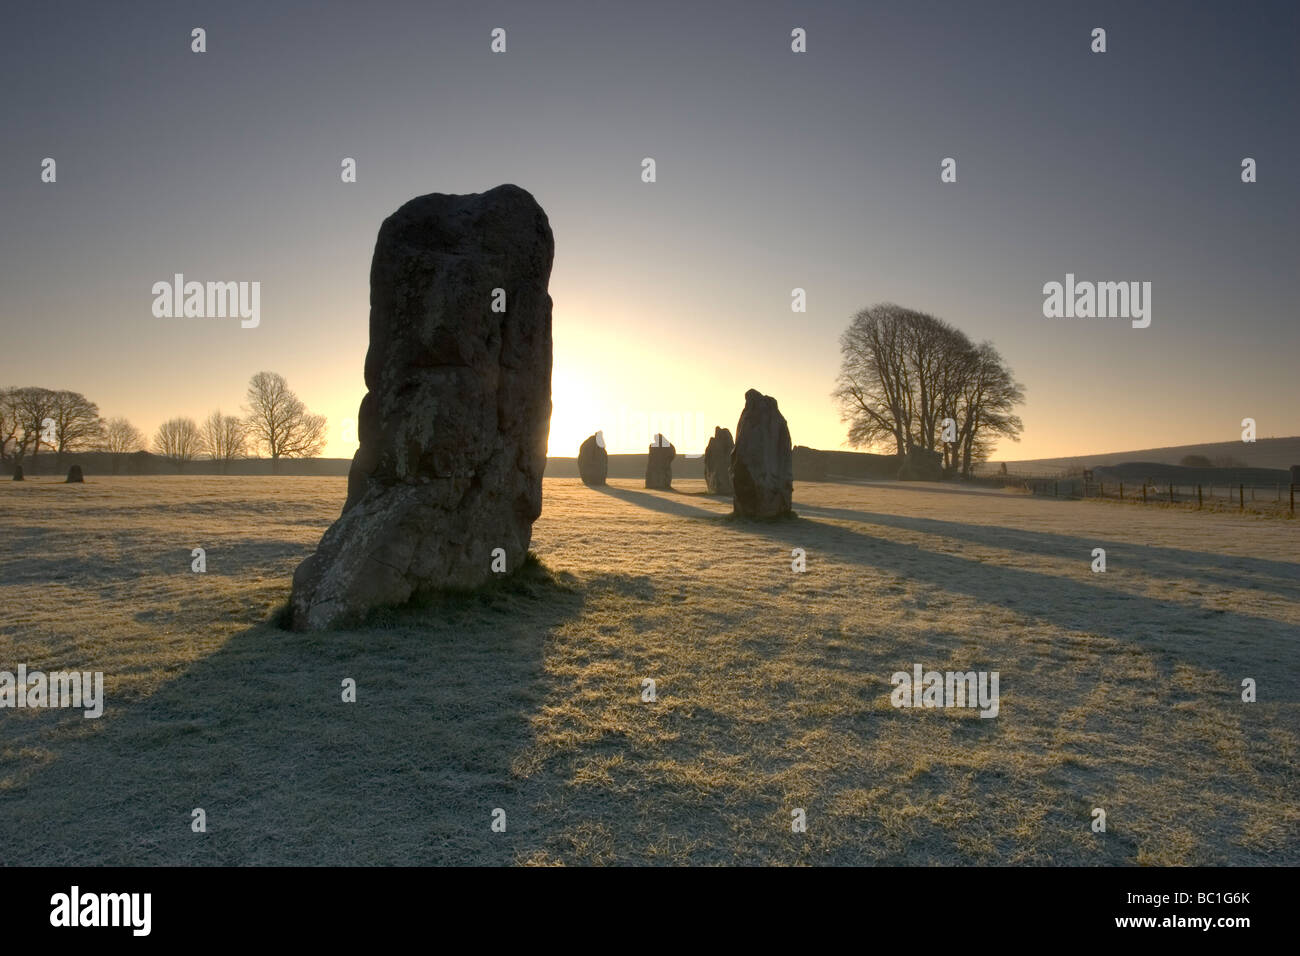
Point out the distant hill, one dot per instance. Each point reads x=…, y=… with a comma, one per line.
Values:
x=1162, y=474
x=1270, y=453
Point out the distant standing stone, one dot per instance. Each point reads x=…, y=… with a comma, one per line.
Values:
x=74, y=475
x=659, y=464
x=448, y=479
x=593, y=460
x=717, y=463
x=18, y=472
x=762, y=464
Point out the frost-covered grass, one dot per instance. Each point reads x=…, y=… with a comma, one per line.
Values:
x=1119, y=690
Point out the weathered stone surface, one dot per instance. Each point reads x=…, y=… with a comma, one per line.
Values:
x=454, y=425
x=717, y=463
x=762, y=463
x=18, y=472
x=75, y=475
x=921, y=464
x=593, y=460
x=659, y=464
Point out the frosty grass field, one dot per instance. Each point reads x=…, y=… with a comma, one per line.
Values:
x=1119, y=691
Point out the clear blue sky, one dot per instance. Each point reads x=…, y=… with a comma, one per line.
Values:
x=775, y=170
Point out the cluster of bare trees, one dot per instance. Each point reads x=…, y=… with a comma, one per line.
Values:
x=904, y=373
x=275, y=422
x=32, y=418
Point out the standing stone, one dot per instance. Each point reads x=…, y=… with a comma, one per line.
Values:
x=18, y=472
x=921, y=464
x=74, y=475
x=659, y=464
x=1295, y=474
x=717, y=463
x=593, y=460
x=762, y=464
x=454, y=424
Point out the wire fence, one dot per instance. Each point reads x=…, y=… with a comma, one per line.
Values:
x=1278, y=497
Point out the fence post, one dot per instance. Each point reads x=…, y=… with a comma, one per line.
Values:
x=1121, y=491
x=1144, y=492
x=1198, y=498
x=1056, y=489
x=1293, y=501
x=1241, y=497
x=1171, y=492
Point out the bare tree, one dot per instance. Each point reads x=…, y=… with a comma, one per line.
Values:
x=279, y=422
x=223, y=438
x=9, y=426
x=904, y=372
x=986, y=407
x=77, y=424
x=121, y=438
x=177, y=440
x=874, y=391
x=33, y=408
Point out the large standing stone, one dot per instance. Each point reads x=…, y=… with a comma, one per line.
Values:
x=593, y=460
x=717, y=463
x=921, y=464
x=762, y=464
x=75, y=476
x=454, y=426
x=18, y=472
x=659, y=464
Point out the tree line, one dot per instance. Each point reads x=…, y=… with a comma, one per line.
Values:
x=910, y=379
x=276, y=423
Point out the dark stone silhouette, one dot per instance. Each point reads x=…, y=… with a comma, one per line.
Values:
x=762, y=464
x=717, y=463
x=74, y=475
x=18, y=472
x=659, y=464
x=921, y=464
x=593, y=460
x=1295, y=474
x=454, y=424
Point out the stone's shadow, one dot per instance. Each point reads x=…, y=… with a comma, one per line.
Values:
x=1281, y=577
x=656, y=502
x=1249, y=643
x=927, y=487
x=257, y=734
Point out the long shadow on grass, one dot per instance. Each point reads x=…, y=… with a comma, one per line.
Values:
x=258, y=736
x=1245, y=645
x=1281, y=577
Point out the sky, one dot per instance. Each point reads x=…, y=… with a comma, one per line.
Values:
x=775, y=170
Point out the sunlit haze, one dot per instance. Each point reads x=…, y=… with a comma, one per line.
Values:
x=774, y=171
